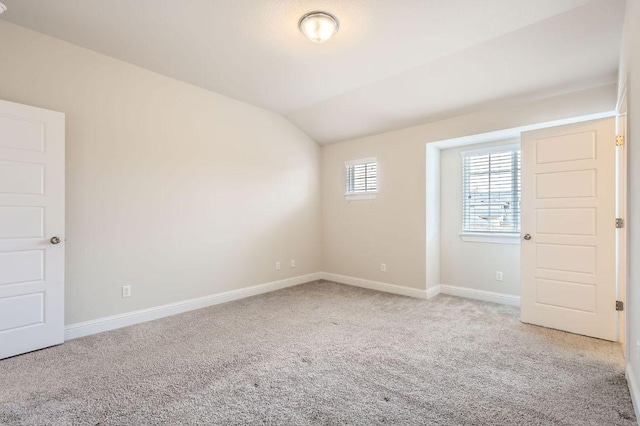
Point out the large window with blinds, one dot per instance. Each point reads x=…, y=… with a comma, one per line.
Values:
x=491, y=190
x=362, y=176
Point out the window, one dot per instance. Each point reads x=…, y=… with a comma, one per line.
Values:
x=362, y=178
x=491, y=190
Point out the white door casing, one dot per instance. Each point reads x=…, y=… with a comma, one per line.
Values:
x=568, y=274
x=31, y=213
x=622, y=254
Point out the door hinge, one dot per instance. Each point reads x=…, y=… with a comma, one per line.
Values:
x=619, y=222
x=619, y=140
x=619, y=305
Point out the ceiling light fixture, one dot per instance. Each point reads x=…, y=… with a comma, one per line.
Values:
x=318, y=26
x=2, y=8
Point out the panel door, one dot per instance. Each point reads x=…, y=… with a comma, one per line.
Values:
x=568, y=224
x=31, y=214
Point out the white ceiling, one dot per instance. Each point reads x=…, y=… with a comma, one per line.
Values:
x=393, y=63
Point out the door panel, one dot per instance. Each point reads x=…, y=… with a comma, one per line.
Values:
x=31, y=212
x=570, y=147
x=21, y=222
x=566, y=295
x=568, y=207
x=21, y=178
x=566, y=222
x=22, y=311
x=22, y=134
x=575, y=184
x=566, y=258
x=21, y=266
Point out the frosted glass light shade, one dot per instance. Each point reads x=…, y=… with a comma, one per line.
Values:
x=318, y=26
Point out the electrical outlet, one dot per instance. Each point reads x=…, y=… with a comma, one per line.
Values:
x=498, y=276
x=293, y=263
x=126, y=291
x=278, y=265
x=383, y=267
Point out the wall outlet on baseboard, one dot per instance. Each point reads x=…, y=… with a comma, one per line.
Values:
x=278, y=265
x=293, y=263
x=126, y=291
x=383, y=267
x=498, y=276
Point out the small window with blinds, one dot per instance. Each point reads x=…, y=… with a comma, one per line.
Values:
x=362, y=178
x=491, y=190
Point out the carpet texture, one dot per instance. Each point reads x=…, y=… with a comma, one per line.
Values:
x=323, y=354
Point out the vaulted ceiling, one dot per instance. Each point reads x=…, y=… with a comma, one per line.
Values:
x=393, y=63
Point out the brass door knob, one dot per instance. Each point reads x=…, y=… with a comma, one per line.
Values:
x=55, y=240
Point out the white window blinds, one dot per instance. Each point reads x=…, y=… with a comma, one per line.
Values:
x=491, y=190
x=362, y=176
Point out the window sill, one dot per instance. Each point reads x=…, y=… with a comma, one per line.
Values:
x=362, y=196
x=490, y=237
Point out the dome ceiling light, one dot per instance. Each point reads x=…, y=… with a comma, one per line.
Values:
x=318, y=26
x=2, y=8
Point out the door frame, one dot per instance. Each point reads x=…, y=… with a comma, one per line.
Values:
x=432, y=152
x=622, y=254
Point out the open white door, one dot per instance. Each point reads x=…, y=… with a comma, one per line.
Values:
x=568, y=273
x=31, y=228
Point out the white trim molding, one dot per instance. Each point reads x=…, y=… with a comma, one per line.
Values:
x=73, y=331
x=514, y=132
x=375, y=285
x=633, y=389
x=491, y=150
x=487, y=296
x=357, y=196
x=490, y=237
x=433, y=291
x=361, y=161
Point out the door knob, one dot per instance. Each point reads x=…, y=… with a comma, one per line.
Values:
x=527, y=237
x=55, y=240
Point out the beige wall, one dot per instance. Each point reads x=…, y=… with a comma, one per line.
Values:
x=360, y=235
x=471, y=264
x=175, y=190
x=630, y=72
x=181, y=192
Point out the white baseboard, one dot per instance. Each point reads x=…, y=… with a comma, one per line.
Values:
x=633, y=390
x=487, y=296
x=375, y=285
x=433, y=291
x=73, y=331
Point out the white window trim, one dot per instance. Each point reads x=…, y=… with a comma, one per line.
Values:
x=491, y=150
x=491, y=237
x=357, y=196
x=360, y=161
x=362, y=196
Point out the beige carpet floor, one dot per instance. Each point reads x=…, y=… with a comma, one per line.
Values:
x=323, y=354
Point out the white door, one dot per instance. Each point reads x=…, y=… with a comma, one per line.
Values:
x=568, y=273
x=31, y=214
